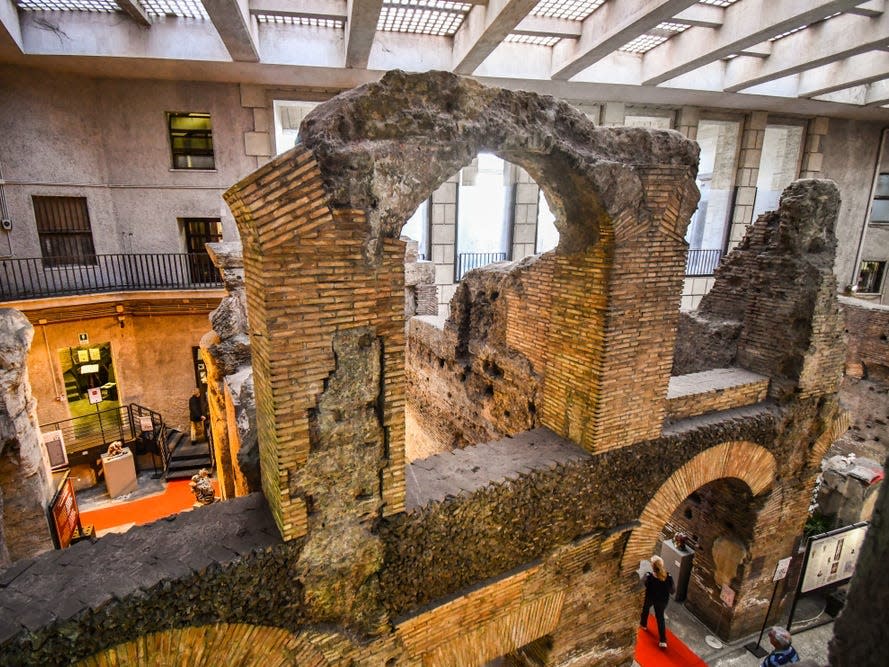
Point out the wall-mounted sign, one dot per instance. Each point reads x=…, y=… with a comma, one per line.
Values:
x=146, y=425
x=831, y=557
x=727, y=595
x=55, y=449
x=781, y=568
x=95, y=395
x=83, y=338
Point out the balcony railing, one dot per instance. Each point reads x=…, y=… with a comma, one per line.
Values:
x=30, y=278
x=472, y=260
x=702, y=262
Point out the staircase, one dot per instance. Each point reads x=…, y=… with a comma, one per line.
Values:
x=186, y=459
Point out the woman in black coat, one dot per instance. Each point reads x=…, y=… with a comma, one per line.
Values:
x=659, y=587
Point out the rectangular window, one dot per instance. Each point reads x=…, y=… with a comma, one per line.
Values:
x=870, y=277
x=707, y=232
x=63, y=225
x=879, y=211
x=191, y=141
x=778, y=165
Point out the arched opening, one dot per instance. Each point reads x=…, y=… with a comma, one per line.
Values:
x=718, y=522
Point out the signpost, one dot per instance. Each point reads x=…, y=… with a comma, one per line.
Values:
x=780, y=573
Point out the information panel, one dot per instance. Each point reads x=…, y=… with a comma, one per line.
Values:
x=832, y=557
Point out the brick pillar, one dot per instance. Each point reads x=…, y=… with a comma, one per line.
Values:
x=752, y=138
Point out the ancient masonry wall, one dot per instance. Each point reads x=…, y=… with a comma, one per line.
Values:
x=25, y=480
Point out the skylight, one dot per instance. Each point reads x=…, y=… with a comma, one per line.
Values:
x=657, y=35
x=311, y=21
x=422, y=17
x=575, y=10
x=68, y=5
x=539, y=40
x=185, y=9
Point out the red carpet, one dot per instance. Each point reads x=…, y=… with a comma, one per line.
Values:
x=676, y=654
x=175, y=498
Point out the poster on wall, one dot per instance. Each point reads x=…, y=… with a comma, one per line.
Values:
x=54, y=443
x=832, y=557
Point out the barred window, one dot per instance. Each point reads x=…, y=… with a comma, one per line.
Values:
x=63, y=225
x=191, y=140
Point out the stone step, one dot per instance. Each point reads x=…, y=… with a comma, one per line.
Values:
x=714, y=390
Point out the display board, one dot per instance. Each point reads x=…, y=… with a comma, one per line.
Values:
x=832, y=556
x=65, y=516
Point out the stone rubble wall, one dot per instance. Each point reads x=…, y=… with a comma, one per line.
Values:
x=26, y=487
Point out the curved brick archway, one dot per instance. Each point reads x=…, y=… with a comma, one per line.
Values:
x=207, y=645
x=751, y=463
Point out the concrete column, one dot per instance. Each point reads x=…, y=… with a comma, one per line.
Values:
x=812, y=151
x=258, y=142
x=443, y=240
x=613, y=113
x=524, y=231
x=752, y=137
x=687, y=122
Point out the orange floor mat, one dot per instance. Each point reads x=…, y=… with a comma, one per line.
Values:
x=649, y=654
x=176, y=498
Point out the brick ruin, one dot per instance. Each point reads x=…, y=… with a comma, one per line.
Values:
x=577, y=428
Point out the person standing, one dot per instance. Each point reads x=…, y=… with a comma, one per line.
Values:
x=783, y=653
x=197, y=415
x=659, y=587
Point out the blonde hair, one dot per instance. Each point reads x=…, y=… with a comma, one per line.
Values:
x=657, y=566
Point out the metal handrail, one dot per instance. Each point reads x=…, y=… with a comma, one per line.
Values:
x=466, y=261
x=96, y=430
x=702, y=262
x=37, y=277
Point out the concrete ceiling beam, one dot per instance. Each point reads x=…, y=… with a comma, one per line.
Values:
x=483, y=29
x=10, y=28
x=872, y=8
x=236, y=28
x=334, y=10
x=135, y=10
x=853, y=71
x=746, y=24
x=543, y=26
x=702, y=16
x=610, y=27
x=821, y=44
x=361, y=28
x=877, y=93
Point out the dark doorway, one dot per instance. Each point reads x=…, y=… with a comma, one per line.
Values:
x=199, y=232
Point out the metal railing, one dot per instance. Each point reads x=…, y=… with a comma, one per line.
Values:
x=86, y=436
x=36, y=277
x=467, y=261
x=702, y=262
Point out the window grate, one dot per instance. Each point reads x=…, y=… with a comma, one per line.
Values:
x=575, y=10
x=422, y=17
x=310, y=21
x=63, y=226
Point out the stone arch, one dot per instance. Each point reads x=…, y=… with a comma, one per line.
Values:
x=397, y=140
x=240, y=643
x=751, y=463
